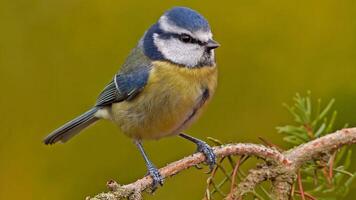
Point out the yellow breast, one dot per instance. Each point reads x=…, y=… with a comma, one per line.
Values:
x=166, y=104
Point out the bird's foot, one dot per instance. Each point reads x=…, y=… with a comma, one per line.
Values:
x=210, y=157
x=156, y=177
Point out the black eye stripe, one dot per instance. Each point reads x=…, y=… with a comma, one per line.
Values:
x=179, y=37
x=186, y=38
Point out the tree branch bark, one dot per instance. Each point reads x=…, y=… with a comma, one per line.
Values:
x=281, y=168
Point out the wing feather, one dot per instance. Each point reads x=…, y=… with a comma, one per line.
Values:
x=124, y=86
x=131, y=79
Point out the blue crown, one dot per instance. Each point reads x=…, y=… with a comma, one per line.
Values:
x=188, y=19
x=182, y=17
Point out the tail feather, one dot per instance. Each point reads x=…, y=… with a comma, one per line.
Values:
x=72, y=128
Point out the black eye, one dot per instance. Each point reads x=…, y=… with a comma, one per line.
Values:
x=185, y=38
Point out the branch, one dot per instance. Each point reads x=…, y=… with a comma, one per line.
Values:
x=325, y=144
x=281, y=167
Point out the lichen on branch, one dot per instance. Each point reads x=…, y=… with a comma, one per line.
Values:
x=281, y=168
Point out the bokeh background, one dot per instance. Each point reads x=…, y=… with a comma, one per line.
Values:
x=57, y=55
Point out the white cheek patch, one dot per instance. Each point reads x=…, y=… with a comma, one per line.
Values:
x=178, y=52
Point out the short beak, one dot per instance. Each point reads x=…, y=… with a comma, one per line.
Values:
x=212, y=44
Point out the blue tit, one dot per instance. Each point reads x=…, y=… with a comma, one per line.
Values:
x=161, y=89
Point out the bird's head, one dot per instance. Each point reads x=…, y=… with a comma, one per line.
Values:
x=181, y=36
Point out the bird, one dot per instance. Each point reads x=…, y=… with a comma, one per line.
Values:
x=161, y=89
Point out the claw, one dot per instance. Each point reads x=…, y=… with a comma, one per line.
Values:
x=210, y=158
x=152, y=170
x=198, y=166
x=203, y=147
x=156, y=178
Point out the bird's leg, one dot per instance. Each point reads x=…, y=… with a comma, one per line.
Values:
x=152, y=170
x=204, y=148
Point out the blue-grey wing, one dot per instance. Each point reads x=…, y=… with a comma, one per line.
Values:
x=131, y=79
x=124, y=86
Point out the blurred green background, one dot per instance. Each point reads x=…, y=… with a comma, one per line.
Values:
x=57, y=55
